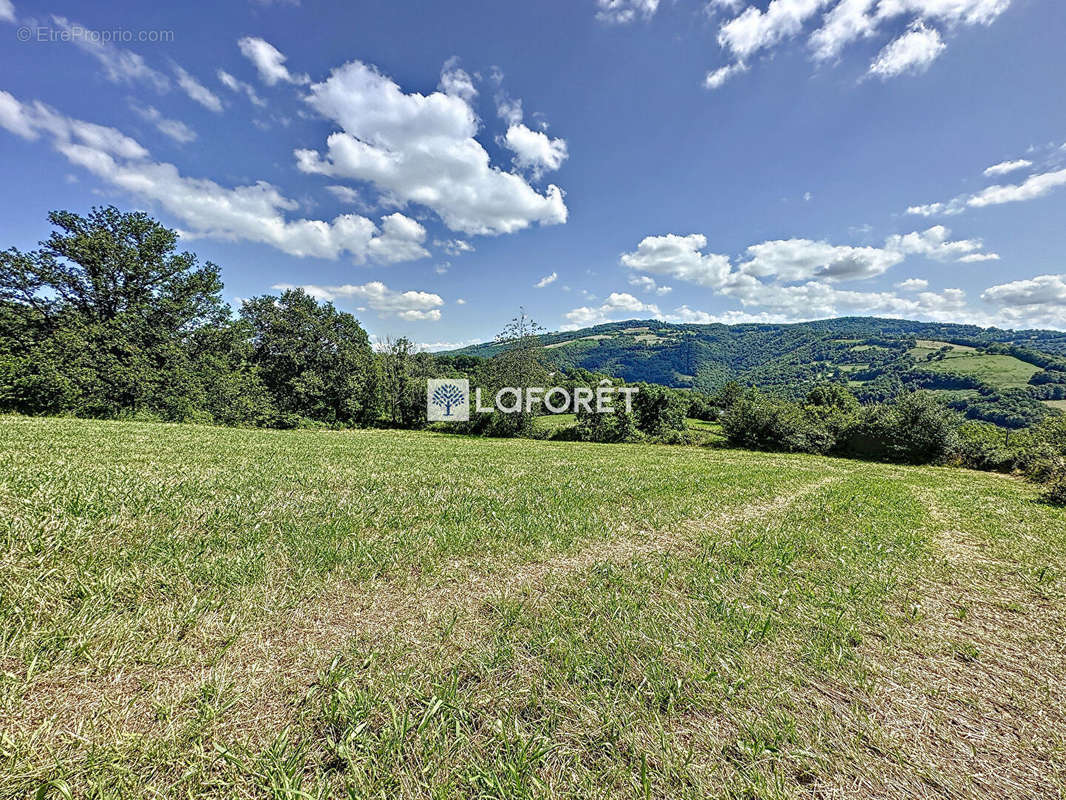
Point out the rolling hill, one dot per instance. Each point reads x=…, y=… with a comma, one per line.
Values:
x=1006, y=376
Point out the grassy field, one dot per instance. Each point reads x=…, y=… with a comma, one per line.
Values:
x=202, y=612
x=1002, y=371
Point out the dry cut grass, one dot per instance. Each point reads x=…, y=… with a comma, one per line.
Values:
x=201, y=612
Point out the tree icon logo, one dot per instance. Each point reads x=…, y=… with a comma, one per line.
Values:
x=447, y=400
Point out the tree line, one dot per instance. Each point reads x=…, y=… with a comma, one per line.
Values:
x=108, y=319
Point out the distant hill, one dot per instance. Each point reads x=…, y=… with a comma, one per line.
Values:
x=1014, y=375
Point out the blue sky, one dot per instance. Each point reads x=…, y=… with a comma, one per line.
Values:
x=433, y=166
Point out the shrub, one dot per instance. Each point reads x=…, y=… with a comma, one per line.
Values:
x=915, y=429
x=1055, y=493
x=760, y=422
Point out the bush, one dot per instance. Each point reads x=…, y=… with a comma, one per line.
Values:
x=915, y=429
x=760, y=422
x=1055, y=493
x=986, y=447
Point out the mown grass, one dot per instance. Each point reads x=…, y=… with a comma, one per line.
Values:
x=997, y=370
x=192, y=611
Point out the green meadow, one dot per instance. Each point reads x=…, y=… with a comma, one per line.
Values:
x=192, y=611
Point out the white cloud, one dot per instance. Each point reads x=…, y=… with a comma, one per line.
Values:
x=679, y=257
x=754, y=30
x=1004, y=167
x=684, y=314
x=235, y=85
x=120, y=66
x=798, y=279
x=14, y=117
x=624, y=11
x=789, y=260
x=508, y=109
x=1039, y=300
x=197, y=91
x=175, y=129
x=1042, y=290
x=846, y=21
x=912, y=52
x=421, y=149
x=547, y=279
x=801, y=259
x=950, y=208
x=460, y=302
x=411, y=305
x=913, y=285
x=617, y=303
x=1033, y=187
x=456, y=81
x=646, y=284
x=435, y=346
x=719, y=76
x=269, y=61
x=7, y=11
x=254, y=213
x=401, y=240
x=934, y=244
x=454, y=247
x=346, y=194
x=534, y=150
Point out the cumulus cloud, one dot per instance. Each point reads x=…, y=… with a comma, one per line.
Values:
x=400, y=240
x=7, y=11
x=534, y=150
x=646, y=284
x=934, y=244
x=679, y=257
x=120, y=66
x=802, y=259
x=255, y=213
x=616, y=304
x=1004, y=167
x=197, y=91
x=621, y=12
x=235, y=85
x=797, y=279
x=175, y=129
x=1039, y=300
x=269, y=61
x=1033, y=187
x=546, y=280
x=411, y=306
x=421, y=149
x=912, y=285
x=457, y=82
x=913, y=52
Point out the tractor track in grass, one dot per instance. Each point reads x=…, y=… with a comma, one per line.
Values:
x=971, y=703
x=274, y=669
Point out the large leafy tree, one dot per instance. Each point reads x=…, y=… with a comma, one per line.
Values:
x=101, y=318
x=315, y=361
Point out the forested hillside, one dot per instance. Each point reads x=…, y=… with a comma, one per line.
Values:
x=1009, y=377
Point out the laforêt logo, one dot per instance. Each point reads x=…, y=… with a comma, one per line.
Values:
x=448, y=400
